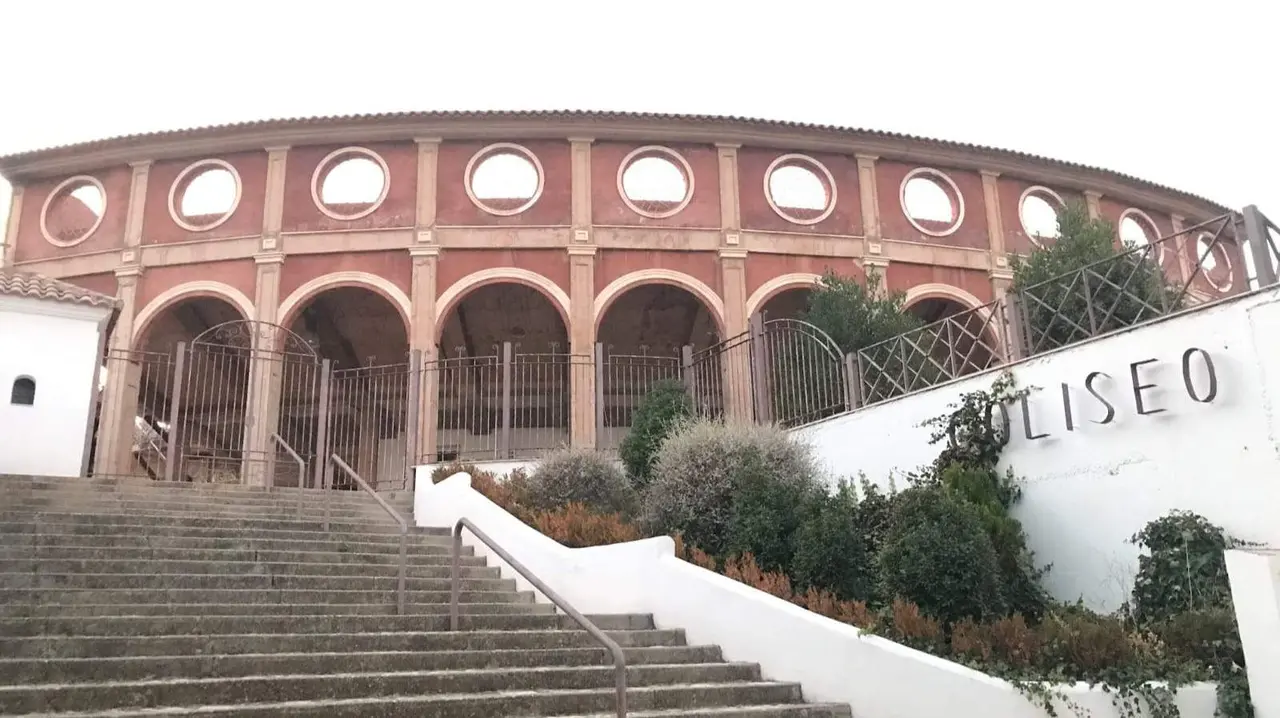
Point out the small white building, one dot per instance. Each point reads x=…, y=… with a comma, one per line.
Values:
x=52, y=336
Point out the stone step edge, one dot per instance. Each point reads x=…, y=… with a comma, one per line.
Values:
x=482, y=633
x=358, y=654
x=55, y=608
x=355, y=675
x=429, y=699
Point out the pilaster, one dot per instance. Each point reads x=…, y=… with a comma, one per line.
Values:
x=730, y=208
x=137, y=203
x=999, y=257
x=1093, y=200
x=265, y=372
x=422, y=337
x=428, y=163
x=738, y=379
x=9, y=241
x=1180, y=244
x=580, y=179
x=582, y=341
x=119, y=403
x=869, y=196
x=273, y=206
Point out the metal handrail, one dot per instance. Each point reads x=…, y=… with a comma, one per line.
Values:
x=404, y=526
x=302, y=472
x=619, y=658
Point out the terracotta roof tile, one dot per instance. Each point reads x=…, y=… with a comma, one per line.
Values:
x=36, y=286
x=8, y=162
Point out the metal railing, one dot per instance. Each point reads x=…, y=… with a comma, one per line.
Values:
x=619, y=658
x=399, y=519
x=302, y=473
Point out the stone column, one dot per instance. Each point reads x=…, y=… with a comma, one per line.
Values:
x=262, y=414
x=1255, y=593
x=582, y=296
x=119, y=404
x=9, y=240
x=426, y=259
x=425, y=256
x=262, y=406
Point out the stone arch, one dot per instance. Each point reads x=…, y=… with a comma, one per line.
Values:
x=313, y=288
x=778, y=285
x=695, y=286
x=189, y=290
x=935, y=290
x=451, y=297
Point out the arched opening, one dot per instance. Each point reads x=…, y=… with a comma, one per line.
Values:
x=503, y=375
x=209, y=405
x=364, y=338
x=956, y=340
x=645, y=336
x=788, y=304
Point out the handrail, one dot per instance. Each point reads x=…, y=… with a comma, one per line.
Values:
x=619, y=658
x=302, y=472
x=404, y=526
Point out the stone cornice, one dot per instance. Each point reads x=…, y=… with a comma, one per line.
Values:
x=637, y=128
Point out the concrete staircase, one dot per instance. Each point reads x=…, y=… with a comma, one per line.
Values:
x=136, y=598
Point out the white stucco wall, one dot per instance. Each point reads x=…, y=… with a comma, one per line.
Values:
x=831, y=661
x=1088, y=490
x=1255, y=592
x=58, y=345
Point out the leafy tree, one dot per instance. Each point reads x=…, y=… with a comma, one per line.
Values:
x=858, y=314
x=666, y=404
x=1085, y=283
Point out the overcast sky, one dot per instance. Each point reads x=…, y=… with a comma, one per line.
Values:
x=1181, y=93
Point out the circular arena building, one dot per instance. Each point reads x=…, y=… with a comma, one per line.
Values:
x=422, y=287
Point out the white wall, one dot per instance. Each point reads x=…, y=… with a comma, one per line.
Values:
x=1087, y=491
x=1255, y=591
x=832, y=661
x=58, y=345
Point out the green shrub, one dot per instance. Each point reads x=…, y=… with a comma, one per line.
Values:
x=937, y=555
x=1208, y=636
x=582, y=476
x=829, y=549
x=1184, y=568
x=711, y=478
x=666, y=404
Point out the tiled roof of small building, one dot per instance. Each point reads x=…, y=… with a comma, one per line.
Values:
x=36, y=286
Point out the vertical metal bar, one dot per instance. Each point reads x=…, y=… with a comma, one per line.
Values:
x=322, y=428
x=600, y=396
x=852, y=383
x=951, y=349
x=504, y=441
x=454, y=565
x=1088, y=303
x=412, y=418
x=175, y=403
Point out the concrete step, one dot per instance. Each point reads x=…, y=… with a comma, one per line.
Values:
x=196, y=504
x=205, y=520
x=180, y=538
x=236, y=644
x=217, y=581
x=42, y=532
x=254, y=689
x=73, y=670
x=247, y=596
x=150, y=486
x=46, y=554
x=99, y=626
x=236, y=568
x=87, y=610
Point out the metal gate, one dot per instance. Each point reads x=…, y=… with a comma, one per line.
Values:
x=240, y=389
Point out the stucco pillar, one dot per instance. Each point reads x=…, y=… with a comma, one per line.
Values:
x=9, y=240
x=1093, y=201
x=1255, y=593
x=736, y=379
x=262, y=411
x=273, y=202
x=119, y=403
x=425, y=256
x=422, y=338
x=582, y=300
